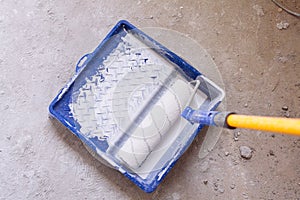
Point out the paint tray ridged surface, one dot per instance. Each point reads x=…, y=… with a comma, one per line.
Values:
x=125, y=103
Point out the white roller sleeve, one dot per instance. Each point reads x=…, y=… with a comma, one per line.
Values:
x=157, y=123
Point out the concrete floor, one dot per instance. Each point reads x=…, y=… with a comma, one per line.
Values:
x=40, y=44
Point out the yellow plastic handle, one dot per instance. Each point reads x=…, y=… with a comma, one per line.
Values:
x=272, y=124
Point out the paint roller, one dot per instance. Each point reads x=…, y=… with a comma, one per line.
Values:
x=163, y=115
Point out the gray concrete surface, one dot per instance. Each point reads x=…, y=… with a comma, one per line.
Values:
x=40, y=42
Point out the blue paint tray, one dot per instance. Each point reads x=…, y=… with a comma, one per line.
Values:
x=125, y=102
